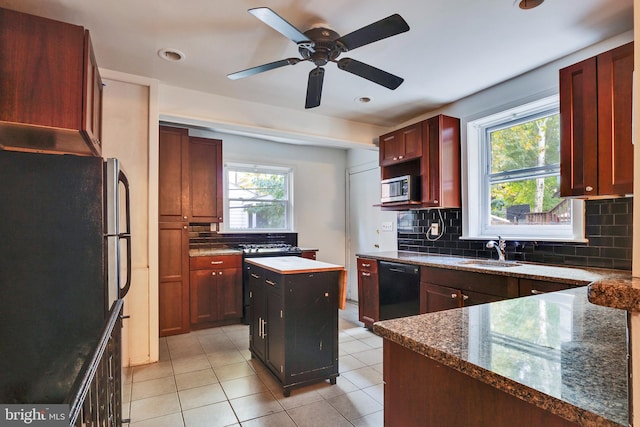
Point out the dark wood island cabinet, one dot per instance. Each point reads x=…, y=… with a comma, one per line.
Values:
x=294, y=318
x=499, y=364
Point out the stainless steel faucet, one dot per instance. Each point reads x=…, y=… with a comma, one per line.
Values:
x=499, y=247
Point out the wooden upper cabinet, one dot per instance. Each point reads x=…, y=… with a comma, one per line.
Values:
x=431, y=153
x=401, y=145
x=615, y=99
x=173, y=185
x=205, y=182
x=596, y=151
x=50, y=90
x=190, y=181
x=441, y=167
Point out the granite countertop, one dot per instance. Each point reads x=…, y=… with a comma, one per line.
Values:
x=213, y=251
x=606, y=287
x=293, y=265
x=569, y=275
x=556, y=351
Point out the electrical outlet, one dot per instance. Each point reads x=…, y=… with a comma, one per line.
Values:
x=434, y=229
x=387, y=226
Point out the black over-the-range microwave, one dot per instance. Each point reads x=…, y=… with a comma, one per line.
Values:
x=400, y=189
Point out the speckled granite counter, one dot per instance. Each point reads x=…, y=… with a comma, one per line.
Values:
x=623, y=293
x=569, y=275
x=556, y=351
x=213, y=251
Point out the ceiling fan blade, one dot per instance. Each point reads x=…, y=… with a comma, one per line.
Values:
x=387, y=27
x=314, y=87
x=260, y=68
x=368, y=72
x=279, y=24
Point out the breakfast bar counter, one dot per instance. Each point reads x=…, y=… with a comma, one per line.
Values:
x=551, y=359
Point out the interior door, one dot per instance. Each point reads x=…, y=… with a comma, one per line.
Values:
x=370, y=228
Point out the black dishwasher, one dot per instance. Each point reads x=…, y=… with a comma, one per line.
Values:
x=399, y=289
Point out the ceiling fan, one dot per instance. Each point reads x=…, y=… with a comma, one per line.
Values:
x=321, y=45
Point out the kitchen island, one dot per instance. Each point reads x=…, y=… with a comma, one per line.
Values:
x=552, y=360
x=294, y=318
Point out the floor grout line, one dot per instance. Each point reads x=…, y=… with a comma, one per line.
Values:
x=349, y=327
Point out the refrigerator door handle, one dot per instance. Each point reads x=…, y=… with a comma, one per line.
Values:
x=122, y=291
x=125, y=289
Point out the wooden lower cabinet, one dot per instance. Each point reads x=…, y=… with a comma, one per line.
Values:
x=368, y=292
x=437, y=298
x=536, y=287
x=173, y=286
x=215, y=290
x=419, y=391
x=294, y=325
x=309, y=254
x=442, y=289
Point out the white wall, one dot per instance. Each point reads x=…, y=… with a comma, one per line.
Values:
x=319, y=187
x=129, y=124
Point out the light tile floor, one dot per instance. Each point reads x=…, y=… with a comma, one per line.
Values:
x=208, y=378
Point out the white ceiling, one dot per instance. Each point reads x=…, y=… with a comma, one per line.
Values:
x=453, y=49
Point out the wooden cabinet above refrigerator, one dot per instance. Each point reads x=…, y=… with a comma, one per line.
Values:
x=50, y=90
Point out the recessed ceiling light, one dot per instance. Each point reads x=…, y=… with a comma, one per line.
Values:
x=530, y=4
x=172, y=55
x=363, y=100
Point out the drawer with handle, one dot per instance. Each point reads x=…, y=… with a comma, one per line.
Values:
x=214, y=262
x=367, y=265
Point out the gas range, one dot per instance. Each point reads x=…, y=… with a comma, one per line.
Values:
x=255, y=250
x=269, y=249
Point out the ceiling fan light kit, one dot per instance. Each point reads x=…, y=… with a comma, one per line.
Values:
x=529, y=4
x=321, y=45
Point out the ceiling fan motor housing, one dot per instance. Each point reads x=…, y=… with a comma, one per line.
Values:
x=324, y=48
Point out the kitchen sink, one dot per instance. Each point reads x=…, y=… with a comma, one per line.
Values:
x=489, y=263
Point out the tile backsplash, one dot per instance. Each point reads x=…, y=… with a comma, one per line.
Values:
x=608, y=228
x=200, y=235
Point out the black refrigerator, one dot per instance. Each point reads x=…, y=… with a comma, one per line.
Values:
x=62, y=232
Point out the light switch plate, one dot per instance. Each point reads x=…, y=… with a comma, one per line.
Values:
x=387, y=226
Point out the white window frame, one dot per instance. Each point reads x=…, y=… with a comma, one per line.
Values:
x=477, y=208
x=272, y=169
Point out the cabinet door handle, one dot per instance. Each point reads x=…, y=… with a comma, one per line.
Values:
x=269, y=282
x=213, y=273
x=588, y=188
x=454, y=296
x=536, y=292
x=366, y=265
x=217, y=262
x=264, y=329
x=400, y=157
x=184, y=217
x=465, y=297
x=255, y=276
x=365, y=274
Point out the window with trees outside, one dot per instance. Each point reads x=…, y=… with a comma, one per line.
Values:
x=258, y=198
x=514, y=176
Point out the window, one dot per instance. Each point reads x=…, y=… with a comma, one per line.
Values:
x=258, y=198
x=513, y=182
